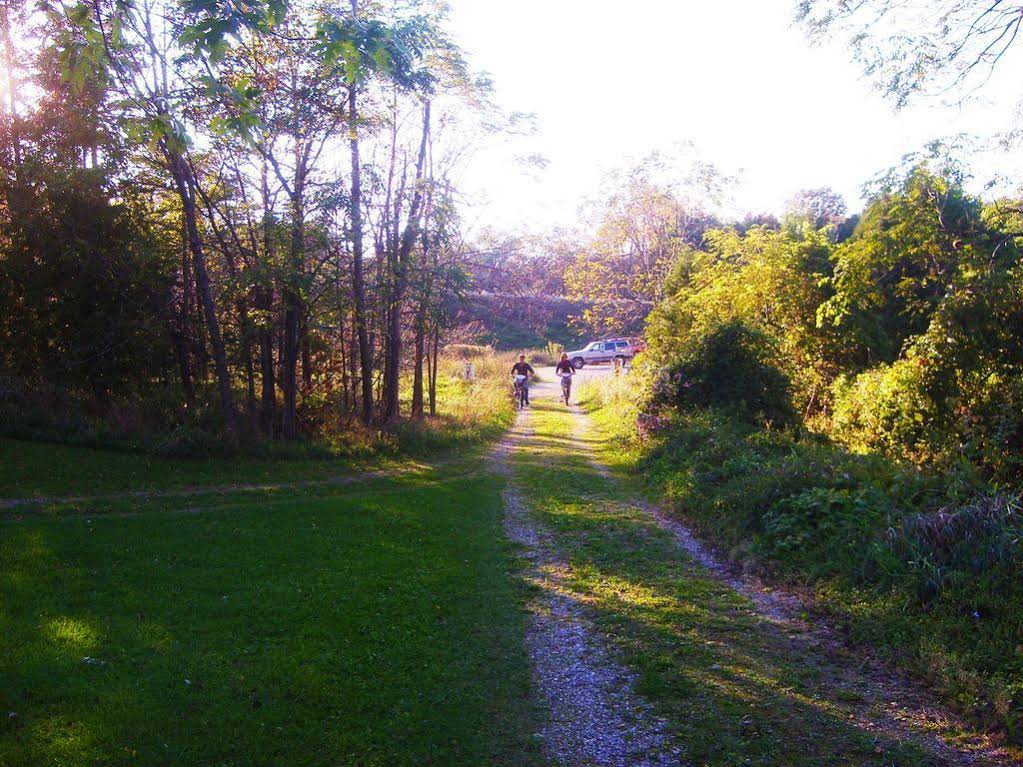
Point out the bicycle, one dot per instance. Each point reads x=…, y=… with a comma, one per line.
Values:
x=566, y=387
x=521, y=393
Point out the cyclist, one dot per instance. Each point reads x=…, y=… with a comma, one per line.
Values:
x=523, y=368
x=565, y=371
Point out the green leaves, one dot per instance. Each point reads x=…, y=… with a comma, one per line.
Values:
x=151, y=130
x=239, y=101
x=216, y=21
x=79, y=45
x=366, y=47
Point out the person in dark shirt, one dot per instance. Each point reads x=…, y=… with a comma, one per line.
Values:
x=523, y=368
x=565, y=370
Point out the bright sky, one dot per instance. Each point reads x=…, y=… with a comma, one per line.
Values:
x=610, y=82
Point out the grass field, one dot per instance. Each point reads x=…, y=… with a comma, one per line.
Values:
x=256, y=611
x=377, y=626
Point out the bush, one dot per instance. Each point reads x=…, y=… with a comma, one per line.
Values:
x=829, y=530
x=922, y=565
x=982, y=535
x=728, y=367
x=886, y=408
x=923, y=408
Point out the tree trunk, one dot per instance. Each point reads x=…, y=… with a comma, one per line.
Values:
x=417, y=367
x=241, y=302
x=180, y=325
x=433, y=370
x=293, y=300
x=268, y=392
x=353, y=366
x=183, y=182
x=358, y=278
x=265, y=299
x=307, y=356
x=399, y=281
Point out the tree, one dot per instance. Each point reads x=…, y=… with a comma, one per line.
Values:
x=891, y=276
x=138, y=52
x=621, y=273
x=771, y=281
x=818, y=207
x=910, y=48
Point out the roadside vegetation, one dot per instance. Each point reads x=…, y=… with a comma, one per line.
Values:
x=836, y=404
x=94, y=461
x=732, y=687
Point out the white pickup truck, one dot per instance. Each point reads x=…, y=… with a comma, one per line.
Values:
x=608, y=350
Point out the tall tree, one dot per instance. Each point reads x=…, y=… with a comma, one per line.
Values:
x=140, y=52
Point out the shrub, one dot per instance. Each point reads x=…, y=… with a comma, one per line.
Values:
x=728, y=367
x=829, y=530
x=886, y=408
x=930, y=411
x=189, y=441
x=979, y=536
x=921, y=564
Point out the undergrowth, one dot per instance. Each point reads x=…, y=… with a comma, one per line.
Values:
x=468, y=411
x=926, y=568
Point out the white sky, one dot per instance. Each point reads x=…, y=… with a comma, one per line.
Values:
x=611, y=82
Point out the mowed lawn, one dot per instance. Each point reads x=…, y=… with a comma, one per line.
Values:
x=377, y=625
x=44, y=470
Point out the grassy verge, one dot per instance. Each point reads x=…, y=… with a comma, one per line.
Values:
x=470, y=414
x=937, y=591
x=376, y=625
x=733, y=689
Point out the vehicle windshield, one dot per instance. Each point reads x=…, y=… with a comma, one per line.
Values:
x=593, y=346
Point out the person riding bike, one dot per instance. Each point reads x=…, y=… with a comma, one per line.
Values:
x=523, y=368
x=565, y=370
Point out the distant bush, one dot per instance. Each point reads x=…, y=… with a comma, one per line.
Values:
x=727, y=367
x=550, y=354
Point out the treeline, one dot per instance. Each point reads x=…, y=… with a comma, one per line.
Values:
x=238, y=217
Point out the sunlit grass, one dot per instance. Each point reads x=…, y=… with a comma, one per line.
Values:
x=724, y=479
x=734, y=688
x=368, y=625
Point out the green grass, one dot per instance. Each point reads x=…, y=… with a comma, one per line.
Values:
x=43, y=469
x=470, y=415
x=734, y=689
x=370, y=625
x=834, y=524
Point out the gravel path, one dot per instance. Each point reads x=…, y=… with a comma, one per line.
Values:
x=594, y=717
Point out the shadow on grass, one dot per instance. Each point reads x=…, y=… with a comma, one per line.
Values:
x=736, y=687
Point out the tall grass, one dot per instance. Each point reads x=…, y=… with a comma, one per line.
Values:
x=467, y=412
x=470, y=409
